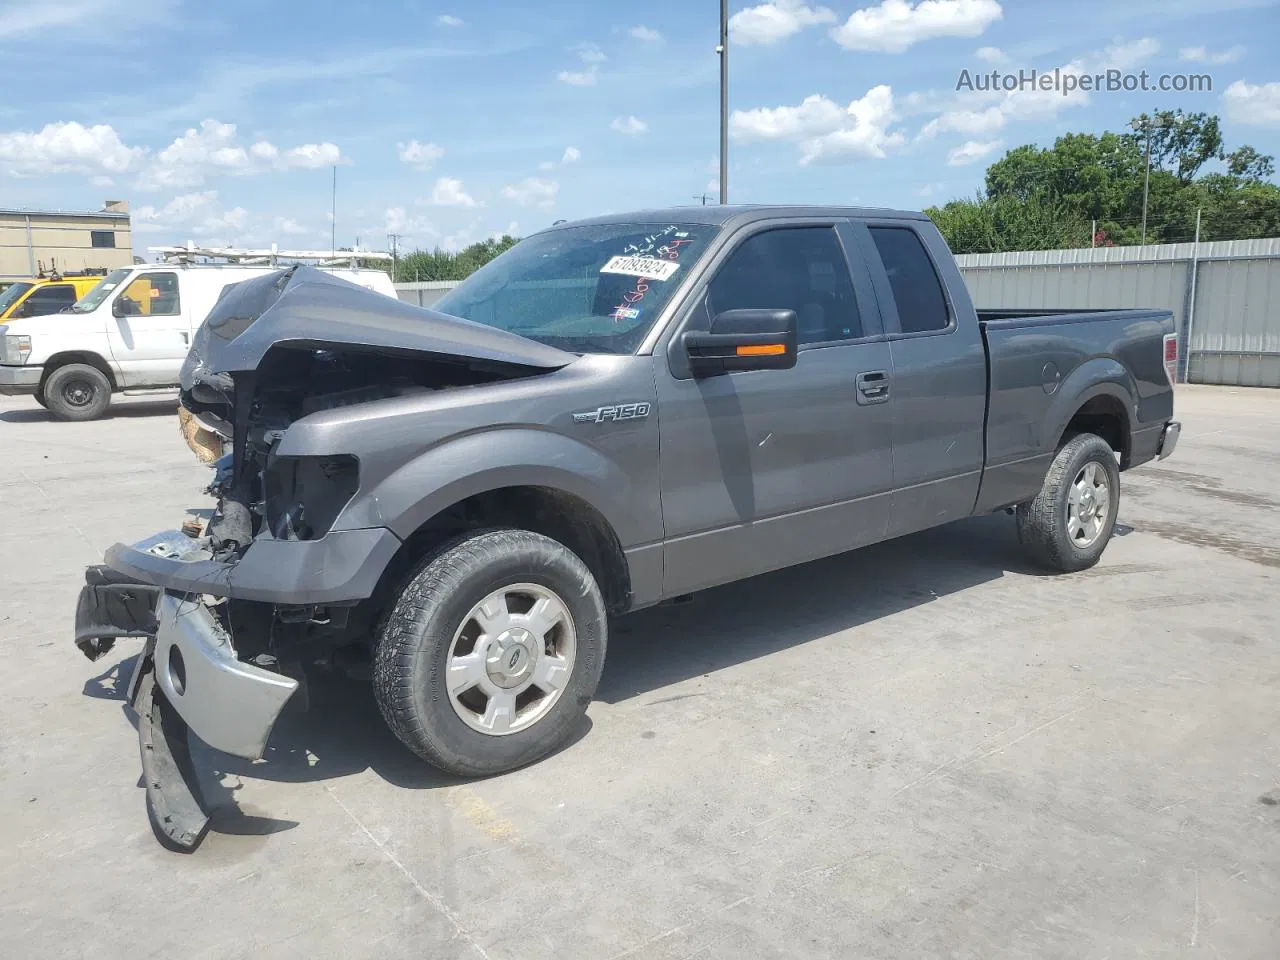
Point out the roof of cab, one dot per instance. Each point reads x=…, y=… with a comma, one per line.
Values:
x=738, y=214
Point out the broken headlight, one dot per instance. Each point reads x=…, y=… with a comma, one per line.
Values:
x=304, y=495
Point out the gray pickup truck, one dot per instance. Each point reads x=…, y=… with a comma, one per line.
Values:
x=614, y=413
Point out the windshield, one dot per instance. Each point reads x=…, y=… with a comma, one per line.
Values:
x=12, y=295
x=589, y=289
x=90, y=301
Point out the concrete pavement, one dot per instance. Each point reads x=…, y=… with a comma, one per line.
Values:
x=924, y=749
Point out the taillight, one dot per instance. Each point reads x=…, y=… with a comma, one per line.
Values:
x=1171, y=357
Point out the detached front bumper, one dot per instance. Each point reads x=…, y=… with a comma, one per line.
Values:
x=188, y=678
x=19, y=381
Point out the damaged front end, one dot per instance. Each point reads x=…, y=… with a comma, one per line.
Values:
x=230, y=612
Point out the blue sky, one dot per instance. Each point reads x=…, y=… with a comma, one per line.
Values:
x=450, y=122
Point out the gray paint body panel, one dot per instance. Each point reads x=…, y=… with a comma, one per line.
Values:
x=726, y=476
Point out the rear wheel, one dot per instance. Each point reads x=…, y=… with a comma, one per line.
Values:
x=77, y=391
x=491, y=653
x=1069, y=523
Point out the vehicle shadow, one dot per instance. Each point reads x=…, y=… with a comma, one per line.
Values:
x=741, y=621
x=342, y=732
x=118, y=410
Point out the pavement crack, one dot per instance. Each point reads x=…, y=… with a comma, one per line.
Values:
x=439, y=905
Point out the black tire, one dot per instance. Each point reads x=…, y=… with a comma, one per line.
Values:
x=38, y=397
x=1043, y=526
x=77, y=391
x=414, y=645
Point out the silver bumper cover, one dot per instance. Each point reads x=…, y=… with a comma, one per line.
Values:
x=230, y=705
x=1169, y=439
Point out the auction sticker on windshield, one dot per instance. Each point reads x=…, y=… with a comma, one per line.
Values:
x=650, y=268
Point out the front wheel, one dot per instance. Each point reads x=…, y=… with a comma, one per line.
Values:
x=1069, y=523
x=77, y=391
x=491, y=653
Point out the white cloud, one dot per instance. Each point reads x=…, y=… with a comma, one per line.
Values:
x=213, y=149
x=397, y=221
x=895, y=25
x=288, y=225
x=972, y=151
x=67, y=148
x=631, y=126
x=772, y=22
x=580, y=78
x=981, y=113
x=826, y=132
x=1122, y=56
x=590, y=53
x=1252, y=103
x=193, y=214
x=570, y=155
x=449, y=20
x=533, y=190
x=420, y=156
x=101, y=180
x=1205, y=55
x=647, y=34
x=929, y=189
x=991, y=55
x=24, y=18
x=968, y=123
x=448, y=192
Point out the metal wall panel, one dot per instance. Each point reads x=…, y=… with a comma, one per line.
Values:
x=1234, y=335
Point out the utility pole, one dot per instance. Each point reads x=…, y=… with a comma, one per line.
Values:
x=394, y=239
x=1145, y=124
x=723, y=50
x=1146, y=184
x=702, y=197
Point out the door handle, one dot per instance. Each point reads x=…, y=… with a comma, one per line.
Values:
x=873, y=387
x=186, y=338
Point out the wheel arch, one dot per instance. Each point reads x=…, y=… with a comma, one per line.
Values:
x=1097, y=398
x=87, y=357
x=562, y=516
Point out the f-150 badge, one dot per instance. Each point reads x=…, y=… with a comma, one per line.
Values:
x=613, y=413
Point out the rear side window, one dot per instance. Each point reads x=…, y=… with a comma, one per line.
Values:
x=151, y=295
x=922, y=306
x=793, y=268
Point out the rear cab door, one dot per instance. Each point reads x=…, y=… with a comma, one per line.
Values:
x=149, y=327
x=939, y=372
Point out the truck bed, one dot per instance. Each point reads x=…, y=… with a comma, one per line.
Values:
x=1034, y=361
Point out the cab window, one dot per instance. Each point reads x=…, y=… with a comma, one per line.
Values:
x=792, y=268
x=49, y=299
x=150, y=295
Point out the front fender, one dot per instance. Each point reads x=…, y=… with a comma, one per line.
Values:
x=503, y=457
x=1101, y=376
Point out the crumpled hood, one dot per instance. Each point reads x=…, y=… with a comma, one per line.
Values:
x=306, y=307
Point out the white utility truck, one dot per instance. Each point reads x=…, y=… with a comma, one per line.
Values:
x=131, y=332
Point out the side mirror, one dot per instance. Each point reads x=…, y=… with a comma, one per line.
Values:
x=743, y=340
x=117, y=308
x=25, y=309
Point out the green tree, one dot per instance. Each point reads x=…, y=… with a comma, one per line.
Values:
x=1045, y=198
x=441, y=264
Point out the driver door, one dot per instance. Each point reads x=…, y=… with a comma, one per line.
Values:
x=149, y=329
x=763, y=469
